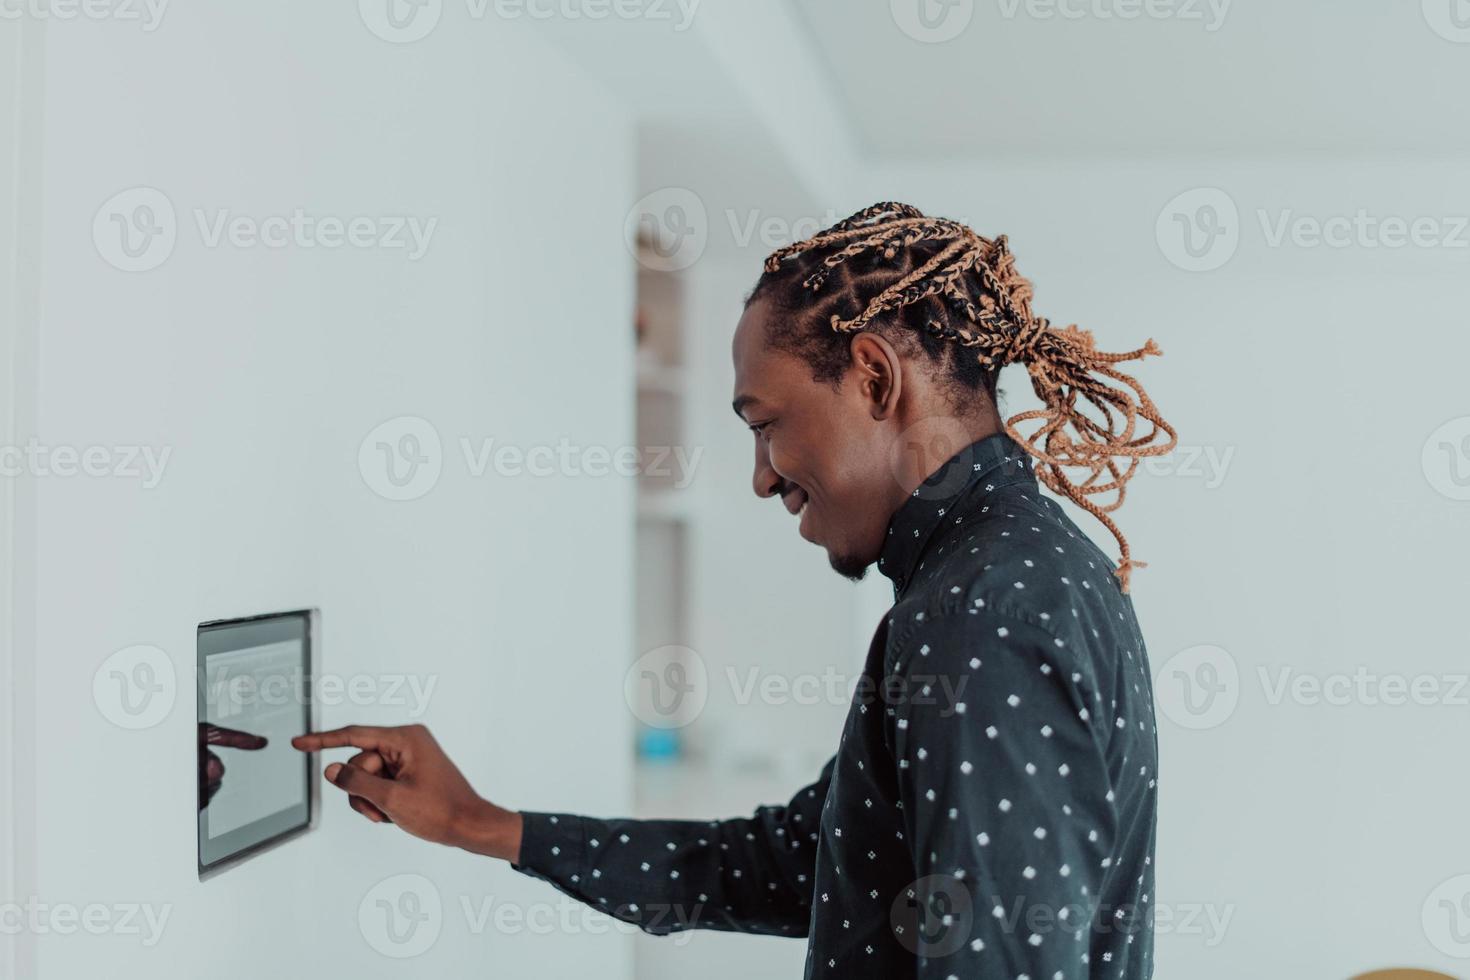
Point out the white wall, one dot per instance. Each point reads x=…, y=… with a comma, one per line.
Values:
x=262, y=370
x=1321, y=829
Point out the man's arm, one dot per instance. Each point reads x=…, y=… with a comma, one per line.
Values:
x=1006, y=798
x=749, y=874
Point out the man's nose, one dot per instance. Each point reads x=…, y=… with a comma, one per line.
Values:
x=767, y=482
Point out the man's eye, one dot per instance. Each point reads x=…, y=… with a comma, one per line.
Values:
x=759, y=428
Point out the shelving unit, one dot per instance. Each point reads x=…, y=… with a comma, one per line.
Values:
x=662, y=556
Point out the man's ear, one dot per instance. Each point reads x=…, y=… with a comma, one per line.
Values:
x=879, y=373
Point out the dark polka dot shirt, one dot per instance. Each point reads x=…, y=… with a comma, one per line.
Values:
x=990, y=810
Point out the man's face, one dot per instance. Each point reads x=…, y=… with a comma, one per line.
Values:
x=819, y=448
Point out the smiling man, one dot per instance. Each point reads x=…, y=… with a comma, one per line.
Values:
x=990, y=810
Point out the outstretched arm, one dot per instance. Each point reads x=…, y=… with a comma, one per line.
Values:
x=751, y=874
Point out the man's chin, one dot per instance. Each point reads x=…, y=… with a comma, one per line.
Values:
x=848, y=566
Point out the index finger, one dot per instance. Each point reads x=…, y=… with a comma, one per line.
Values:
x=352, y=736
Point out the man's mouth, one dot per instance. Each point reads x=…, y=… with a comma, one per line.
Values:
x=796, y=502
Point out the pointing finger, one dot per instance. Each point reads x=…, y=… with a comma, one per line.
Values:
x=353, y=736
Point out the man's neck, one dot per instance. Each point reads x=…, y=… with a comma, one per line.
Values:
x=927, y=444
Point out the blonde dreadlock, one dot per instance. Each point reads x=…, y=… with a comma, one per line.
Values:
x=977, y=277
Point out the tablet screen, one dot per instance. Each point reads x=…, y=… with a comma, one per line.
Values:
x=254, y=696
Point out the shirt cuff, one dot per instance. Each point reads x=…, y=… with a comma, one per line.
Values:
x=552, y=847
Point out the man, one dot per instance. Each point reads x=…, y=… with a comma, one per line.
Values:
x=990, y=811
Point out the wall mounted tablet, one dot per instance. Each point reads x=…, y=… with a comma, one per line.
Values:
x=254, y=695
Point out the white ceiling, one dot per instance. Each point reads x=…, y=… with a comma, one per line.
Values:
x=1335, y=76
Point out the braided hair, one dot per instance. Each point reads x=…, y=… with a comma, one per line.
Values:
x=934, y=284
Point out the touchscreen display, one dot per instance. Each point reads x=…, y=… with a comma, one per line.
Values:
x=254, y=696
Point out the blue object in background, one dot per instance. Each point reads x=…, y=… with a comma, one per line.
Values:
x=659, y=744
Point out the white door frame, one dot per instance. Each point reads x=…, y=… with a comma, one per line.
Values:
x=9, y=696
x=21, y=50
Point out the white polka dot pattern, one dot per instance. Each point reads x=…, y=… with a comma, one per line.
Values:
x=990, y=811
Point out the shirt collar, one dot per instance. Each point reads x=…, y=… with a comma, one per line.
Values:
x=952, y=491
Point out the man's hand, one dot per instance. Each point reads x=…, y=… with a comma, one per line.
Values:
x=402, y=776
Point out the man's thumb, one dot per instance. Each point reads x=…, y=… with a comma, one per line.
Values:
x=360, y=782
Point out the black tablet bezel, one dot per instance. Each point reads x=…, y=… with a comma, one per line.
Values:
x=302, y=623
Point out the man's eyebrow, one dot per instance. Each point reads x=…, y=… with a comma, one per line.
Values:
x=740, y=402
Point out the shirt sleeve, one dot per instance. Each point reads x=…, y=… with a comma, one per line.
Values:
x=750, y=874
x=1006, y=798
